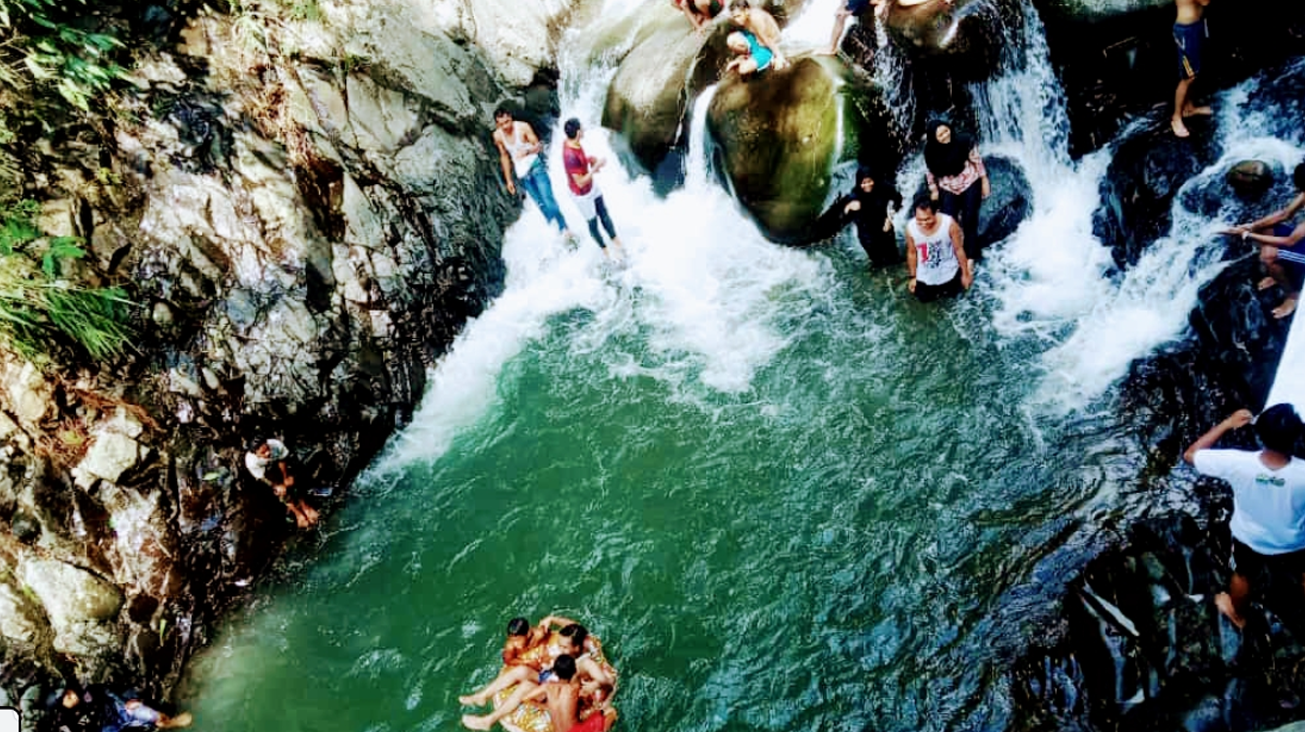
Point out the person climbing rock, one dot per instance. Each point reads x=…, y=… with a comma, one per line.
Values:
x=1268, y=521
x=1282, y=249
x=699, y=12
x=871, y=206
x=268, y=461
x=1190, y=32
x=519, y=152
x=852, y=9
x=935, y=253
x=763, y=28
x=953, y=167
x=750, y=56
x=580, y=171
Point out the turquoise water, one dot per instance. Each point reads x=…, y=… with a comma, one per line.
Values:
x=818, y=551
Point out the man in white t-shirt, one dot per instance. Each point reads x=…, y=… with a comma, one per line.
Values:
x=1268, y=521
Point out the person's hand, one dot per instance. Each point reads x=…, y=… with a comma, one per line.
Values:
x=1239, y=419
x=967, y=276
x=852, y=206
x=888, y=225
x=733, y=65
x=1236, y=230
x=933, y=193
x=986, y=188
x=780, y=62
x=599, y=164
x=511, y=188
x=911, y=285
x=279, y=490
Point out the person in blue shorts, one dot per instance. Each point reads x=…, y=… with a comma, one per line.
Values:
x=1190, y=33
x=1282, y=249
x=852, y=8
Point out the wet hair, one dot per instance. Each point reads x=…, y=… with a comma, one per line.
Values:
x=256, y=443
x=572, y=128
x=737, y=5
x=577, y=633
x=502, y=112
x=564, y=667
x=864, y=172
x=923, y=201
x=518, y=626
x=1298, y=177
x=1279, y=427
x=949, y=158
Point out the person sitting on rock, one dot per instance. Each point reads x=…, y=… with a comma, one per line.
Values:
x=268, y=461
x=750, y=56
x=853, y=8
x=699, y=12
x=1268, y=521
x=1282, y=250
x=953, y=166
x=580, y=171
x=96, y=709
x=763, y=28
x=935, y=253
x=519, y=152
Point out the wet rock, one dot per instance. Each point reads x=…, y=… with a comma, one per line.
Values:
x=20, y=619
x=114, y=450
x=778, y=141
x=1147, y=171
x=1235, y=328
x=1092, y=11
x=1009, y=203
x=967, y=32
x=1250, y=178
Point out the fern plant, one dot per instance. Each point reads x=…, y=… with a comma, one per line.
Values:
x=38, y=308
x=46, y=38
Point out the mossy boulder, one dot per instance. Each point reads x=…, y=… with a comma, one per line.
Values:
x=967, y=32
x=779, y=136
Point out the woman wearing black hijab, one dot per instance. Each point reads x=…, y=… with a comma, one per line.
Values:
x=954, y=166
x=871, y=206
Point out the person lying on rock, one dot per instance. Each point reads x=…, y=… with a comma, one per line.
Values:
x=580, y=171
x=935, y=253
x=269, y=462
x=519, y=152
x=763, y=28
x=956, y=178
x=96, y=709
x=871, y=206
x=699, y=12
x=850, y=9
x=1282, y=250
x=535, y=667
x=1268, y=521
x=750, y=57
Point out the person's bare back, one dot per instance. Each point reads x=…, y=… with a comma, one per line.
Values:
x=1190, y=11
x=563, y=702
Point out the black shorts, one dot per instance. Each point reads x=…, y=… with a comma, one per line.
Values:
x=1254, y=566
x=929, y=293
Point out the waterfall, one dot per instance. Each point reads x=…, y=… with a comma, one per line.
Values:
x=697, y=166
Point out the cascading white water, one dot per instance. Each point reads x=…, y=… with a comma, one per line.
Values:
x=697, y=165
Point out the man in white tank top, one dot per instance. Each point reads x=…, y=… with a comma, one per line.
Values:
x=519, y=153
x=935, y=253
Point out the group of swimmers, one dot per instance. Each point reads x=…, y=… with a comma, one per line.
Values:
x=555, y=678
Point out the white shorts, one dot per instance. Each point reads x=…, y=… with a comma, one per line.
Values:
x=586, y=202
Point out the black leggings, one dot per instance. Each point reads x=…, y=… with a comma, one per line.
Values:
x=600, y=208
x=964, y=207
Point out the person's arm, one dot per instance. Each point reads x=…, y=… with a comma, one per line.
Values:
x=1238, y=419
x=768, y=34
x=1278, y=241
x=910, y=260
x=1273, y=219
x=535, y=147
x=557, y=620
x=581, y=179
x=847, y=204
x=593, y=670
x=932, y=182
x=505, y=162
x=977, y=159
x=958, y=246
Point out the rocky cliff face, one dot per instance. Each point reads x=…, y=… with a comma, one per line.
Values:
x=305, y=208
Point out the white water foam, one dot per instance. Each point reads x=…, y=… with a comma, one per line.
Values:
x=810, y=31
x=702, y=289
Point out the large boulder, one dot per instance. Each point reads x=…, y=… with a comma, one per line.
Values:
x=80, y=606
x=968, y=32
x=779, y=136
x=1008, y=204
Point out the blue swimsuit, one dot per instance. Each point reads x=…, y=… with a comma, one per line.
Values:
x=760, y=53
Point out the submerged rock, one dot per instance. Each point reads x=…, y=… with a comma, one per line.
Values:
x=1250, y=178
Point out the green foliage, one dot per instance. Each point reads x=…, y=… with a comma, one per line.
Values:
x=47, y=39
x=38, y=308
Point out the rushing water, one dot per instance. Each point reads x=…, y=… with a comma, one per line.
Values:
x=786, y=495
